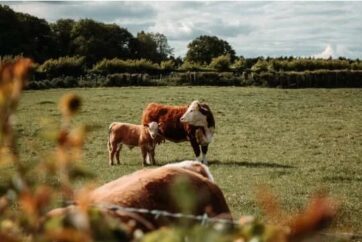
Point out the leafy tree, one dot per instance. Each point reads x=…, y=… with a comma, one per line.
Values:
x=24, y=34
x=204, y=48
x=97, y=40
x=178, y=61
x=163, y=47
x=152, y=46
x=62, y=30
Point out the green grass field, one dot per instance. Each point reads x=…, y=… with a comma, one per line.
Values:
x=295, y=141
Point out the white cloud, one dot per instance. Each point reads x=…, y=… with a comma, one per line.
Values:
x=326, y=53
x=333, y=51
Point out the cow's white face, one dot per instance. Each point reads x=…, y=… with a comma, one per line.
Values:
x=193, y=115
x=153, y=129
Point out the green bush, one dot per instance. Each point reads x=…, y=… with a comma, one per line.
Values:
x=260, y=66
x=318, y=78
x=127, y=79
x=357, y=65
x=221, y=63
x=63, y=66
x=168, y=65
x=303, y=64
x=239, y=65
x=190, y=66
x=115, y=65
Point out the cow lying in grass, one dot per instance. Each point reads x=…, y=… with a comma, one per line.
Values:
x=194, y=123
x=144, y=136
x=157, y=189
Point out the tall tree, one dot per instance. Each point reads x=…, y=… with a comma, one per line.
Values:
x=97, y=40
x=25, y=34
x=204, y=48
x=163, y=47
x=62, y=29
x=152, y=46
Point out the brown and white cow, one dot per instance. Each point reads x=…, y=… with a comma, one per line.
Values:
x=145, y=136
x=154, y=189
x=195, y=123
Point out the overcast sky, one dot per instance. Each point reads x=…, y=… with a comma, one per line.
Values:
x=252, y=28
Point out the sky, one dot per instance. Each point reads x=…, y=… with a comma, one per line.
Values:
x=252, y=28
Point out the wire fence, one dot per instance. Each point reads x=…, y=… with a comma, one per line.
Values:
x=204, y=219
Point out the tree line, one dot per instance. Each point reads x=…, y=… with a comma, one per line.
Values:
x=87, y=50
x=36, y=38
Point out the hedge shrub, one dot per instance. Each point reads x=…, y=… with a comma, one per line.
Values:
x=115, y=65
x=63, y=66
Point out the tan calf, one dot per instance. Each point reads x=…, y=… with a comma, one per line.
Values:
x=143, y=136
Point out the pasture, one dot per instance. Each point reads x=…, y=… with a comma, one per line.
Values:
x=294, y=141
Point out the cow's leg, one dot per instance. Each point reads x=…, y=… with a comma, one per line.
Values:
x=204, y=149
x=119, y=148
x=195, y=147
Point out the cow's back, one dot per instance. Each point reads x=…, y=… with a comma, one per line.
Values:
x=168, y=118
x=152, y=189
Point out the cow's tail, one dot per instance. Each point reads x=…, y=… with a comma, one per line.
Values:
x=109, y=137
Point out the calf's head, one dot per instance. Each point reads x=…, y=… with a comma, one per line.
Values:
x=195, y=115
x=153, y=129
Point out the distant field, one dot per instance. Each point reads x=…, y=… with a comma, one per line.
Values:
x=294, y=141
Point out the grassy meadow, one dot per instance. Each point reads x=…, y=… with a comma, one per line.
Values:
x=296, y=142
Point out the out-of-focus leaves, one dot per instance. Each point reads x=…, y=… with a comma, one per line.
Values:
x=180, y=191
x=70, y=104
x=78, y=172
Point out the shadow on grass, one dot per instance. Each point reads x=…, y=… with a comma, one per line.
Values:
x=46, y=102
x=342, y=179
x=248, y=164
x=238, y=163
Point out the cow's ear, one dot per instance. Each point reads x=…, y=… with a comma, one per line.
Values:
x=203, y=109
x=146, y=125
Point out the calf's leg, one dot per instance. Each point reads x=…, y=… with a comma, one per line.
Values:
x=152, y=156
x=144, y=155
x=112, y=151
x=119, y=148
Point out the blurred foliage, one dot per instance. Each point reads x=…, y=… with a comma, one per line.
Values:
x=26, y=199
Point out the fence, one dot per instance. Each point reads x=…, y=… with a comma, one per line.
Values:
x=205, y=220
